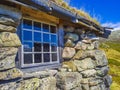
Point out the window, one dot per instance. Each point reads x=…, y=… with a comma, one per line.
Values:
x=39, y=43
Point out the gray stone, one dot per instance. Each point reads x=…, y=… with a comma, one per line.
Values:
x=94, y=82
x=10, y=74
x=102, y=71
x=85, y=86
x=96, y=44
x=69, y=43
x=79, y=55
x=48, y=83
x=100, y=58
x=88, y=73
x=107, y=80
x=5, y=20
x=84, y=81
x=73, y=37
x=84, y=64
x=95, y=87
x=5, y=28
x=9, y=39
x=78, y=46
x=87, y=41
x=68, y=80
x=90, y=46
x=68, y=53
x=83, y=46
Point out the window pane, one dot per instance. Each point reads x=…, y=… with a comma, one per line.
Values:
x=37, y=58
x=37, y=26
x=53, y=38
x=37, y=47
x=54, y=56
x=37, y=36
x=45, y=28
x=52, y=29
x=53, y=47
x=27, y=24
x=27, y=35
x=46, y=38
x=28, y=46
x=46, y=47
x=46, y=57
x=27, y=58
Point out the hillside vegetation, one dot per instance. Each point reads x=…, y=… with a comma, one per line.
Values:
x=112, y=50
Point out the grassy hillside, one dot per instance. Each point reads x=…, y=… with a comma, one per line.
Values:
x=112, y=50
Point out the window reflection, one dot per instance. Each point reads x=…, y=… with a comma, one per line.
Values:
x=45, y=28
x=46, y=57
x=37, y=58
x=27, y=58
x=28, y=47
x=27, y=35
x=46, y=37
x=54, y=56
x=27, y=24
x=53, y=47
x=52, y=29
x=37, y=36
x=53, y=39
x=37, y=47
x=46, y=47
x=37, y=26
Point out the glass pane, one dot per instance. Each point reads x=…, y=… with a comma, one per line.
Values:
x=28, y=46
x=37, y=26
x=52, y=29
x=27, y=35
x=27, y=58
x=54, y=56
x=45, y=28
x=37, y=58
x=37, y=47
x=27, y=24
x=53, y=39
x=37, y=36
x=53, y=47
x=46, y=47
x=46, y=57
x=46, y=38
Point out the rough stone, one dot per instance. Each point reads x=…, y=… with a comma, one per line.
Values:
x=10, y=74
x=83, y=46
x=68, y=80
x=87, y=41
x=69, y=43
x=96, y=44
x=68, y=53
x=78, y=45
x=88, y=73
x=94, y=82
x=73, y=37
x=6, y=28
x=48, y=83
x=85, y=86
x=107, y=80
x=95, y=87
x=102, y=71
x=90, y=46
x=9, y=39
x=84, y=64
x=100, y=58
x=5, y=20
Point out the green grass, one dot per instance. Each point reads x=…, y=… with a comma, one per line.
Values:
x=112, y=50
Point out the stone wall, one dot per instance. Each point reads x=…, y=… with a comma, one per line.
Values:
x=84, y=67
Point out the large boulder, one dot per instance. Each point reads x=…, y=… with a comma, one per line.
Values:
x=68, y=80
x=9, y=39
x=73, y=37
x=10, y=74
x=107, y=80
x=68, y=53
x=84, y=64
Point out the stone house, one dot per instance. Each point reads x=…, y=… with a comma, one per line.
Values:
x=44, y=46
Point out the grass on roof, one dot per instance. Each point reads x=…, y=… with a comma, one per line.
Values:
x=74, y=10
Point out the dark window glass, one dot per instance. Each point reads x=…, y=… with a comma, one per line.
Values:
x=37, y=58
x=46, y=38
x=46, y=47
x=52, y=29
x=37, y=47
x=28, y=46
x=54, y=56
x=27, y=35
x=27, y=58
x=37, y=26
x=53, y=47
x=37, y=36
x=27, y=24
x=45, y=28
x=46, y=57
x=53, y=39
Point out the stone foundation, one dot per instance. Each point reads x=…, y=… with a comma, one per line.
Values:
x=85, y=67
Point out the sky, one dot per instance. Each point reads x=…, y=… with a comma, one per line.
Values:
x=106, y=11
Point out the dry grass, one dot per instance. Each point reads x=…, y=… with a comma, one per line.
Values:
x=80, y=12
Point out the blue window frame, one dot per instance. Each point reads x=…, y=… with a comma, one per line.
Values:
x=40, y=43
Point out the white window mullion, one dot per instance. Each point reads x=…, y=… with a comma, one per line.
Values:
x=33, y=43
x=42, y=42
